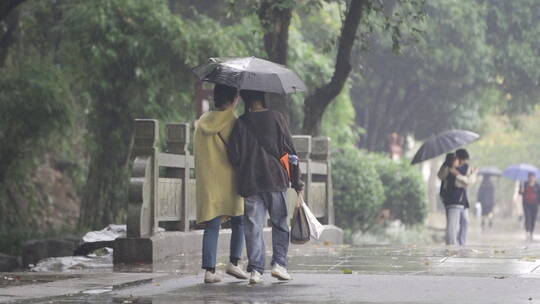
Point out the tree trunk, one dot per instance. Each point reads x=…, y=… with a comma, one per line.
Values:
x=316, y=104
x=275, y=18
x=7, y=6
x=105, y=194
x=10, y=23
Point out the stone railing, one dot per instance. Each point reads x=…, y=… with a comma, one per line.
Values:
x=162, y=184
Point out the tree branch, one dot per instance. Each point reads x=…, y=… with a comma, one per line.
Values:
x=275, y=18
x=316, y=104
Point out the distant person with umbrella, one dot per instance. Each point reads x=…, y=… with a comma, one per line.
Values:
x=456, y=175
x=457, y=203
x=530, y=190
x=486, y=197
x=525, y=175
x=465, y=176
x=450, y=198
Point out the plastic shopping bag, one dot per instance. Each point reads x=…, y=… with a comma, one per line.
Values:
x=299, y=229
x=315, y=227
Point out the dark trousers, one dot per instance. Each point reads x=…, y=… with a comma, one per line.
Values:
x=530, y=211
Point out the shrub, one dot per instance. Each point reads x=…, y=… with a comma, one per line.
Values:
x=404, y=190
x=34, y=114
x=358, y=191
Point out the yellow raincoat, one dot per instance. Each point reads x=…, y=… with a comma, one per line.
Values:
x=216, y=186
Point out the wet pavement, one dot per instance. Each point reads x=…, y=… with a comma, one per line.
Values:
x=498, y=267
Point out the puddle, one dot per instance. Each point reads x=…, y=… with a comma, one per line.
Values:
x=98, y=290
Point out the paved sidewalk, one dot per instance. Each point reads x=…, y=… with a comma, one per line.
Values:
x=498, y=267
x=83, y=283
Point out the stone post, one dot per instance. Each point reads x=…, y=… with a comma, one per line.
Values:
x=178, y=143
x=321, y=151
x=302, y=144
x=143, y=182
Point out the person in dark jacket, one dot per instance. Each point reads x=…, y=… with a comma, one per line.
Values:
x=465, y=176
x=530, y=190
x=451, y=198
x=456, y=175
x=486, y=197
x=259, y=139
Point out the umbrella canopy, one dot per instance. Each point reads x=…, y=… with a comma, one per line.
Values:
x=443, y=143
x=251, y=73
x=520, y=172
x=490, y=171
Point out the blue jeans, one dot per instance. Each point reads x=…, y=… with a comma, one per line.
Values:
x=210, y=240
x=463, y=226
x=457, y=224
x=255, y=208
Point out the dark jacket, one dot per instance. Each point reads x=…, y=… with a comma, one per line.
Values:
x=256, y=144
x=486, y=194
x=450, y=193
x=461, y=193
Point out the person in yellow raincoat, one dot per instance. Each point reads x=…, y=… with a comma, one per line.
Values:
x=217, y=197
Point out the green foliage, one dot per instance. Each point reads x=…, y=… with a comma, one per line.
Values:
x=33, y=107
x=475, y=57
x=404, y=189
x=445, y=72
x=339, y=122
x=512, y=29
x=358, y=191
x=135, y=59
x=34, y=111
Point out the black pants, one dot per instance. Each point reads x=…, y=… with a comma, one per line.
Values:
x=530, y=211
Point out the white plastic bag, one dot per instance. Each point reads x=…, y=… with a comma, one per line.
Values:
x=315, y=227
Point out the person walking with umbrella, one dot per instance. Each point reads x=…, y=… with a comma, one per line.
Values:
x=216, y=194
x=530, y=190
x=524, y=174
x=259, y=140
x=486, y=197
x=450, y=198
x=465, y=176
x=457, y=175
x=262, y=153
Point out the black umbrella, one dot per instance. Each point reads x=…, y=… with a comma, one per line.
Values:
x=443, y=143
x=490, y=171
x=251, y=73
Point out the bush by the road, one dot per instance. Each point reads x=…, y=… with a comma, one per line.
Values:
x=365, y=184
x=358, y=191
x=404, y=189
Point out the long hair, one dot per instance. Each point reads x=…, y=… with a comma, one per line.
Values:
x=449, y=160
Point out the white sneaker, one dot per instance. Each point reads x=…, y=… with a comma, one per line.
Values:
x=256, y=277
x=211, y=277
x=279, y=272
x=236, y=272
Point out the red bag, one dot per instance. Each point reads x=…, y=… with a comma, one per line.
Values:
x=285, y=163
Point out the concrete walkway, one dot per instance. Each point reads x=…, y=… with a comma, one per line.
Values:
x=498, y=267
